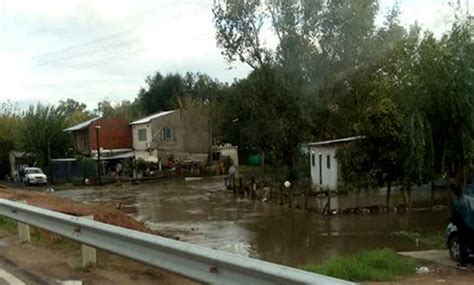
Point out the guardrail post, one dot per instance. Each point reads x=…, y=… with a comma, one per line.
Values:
x=24, y=230
x=88, y=253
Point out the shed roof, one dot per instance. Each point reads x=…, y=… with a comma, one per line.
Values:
x=82, y=125
x=151, y=117
x=337, y=141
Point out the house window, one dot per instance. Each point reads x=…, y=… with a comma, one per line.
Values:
x=142, y=135
x=167, y=134
x=328, y=161
x=313, y=159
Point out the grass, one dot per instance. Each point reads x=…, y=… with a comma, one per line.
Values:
x=375, y=265
x=429, y=241
x=8, y=224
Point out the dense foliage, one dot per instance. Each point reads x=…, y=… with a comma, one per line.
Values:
x=330, y=71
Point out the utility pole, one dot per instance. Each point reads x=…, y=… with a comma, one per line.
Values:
x=97, y=131
x=50, y=172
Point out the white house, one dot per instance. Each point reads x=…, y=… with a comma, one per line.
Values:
x=182, y=134
x=142, y=136
x=325, y=169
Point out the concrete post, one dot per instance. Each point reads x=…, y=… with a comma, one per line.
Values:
x=24, y=230
x=88, y=254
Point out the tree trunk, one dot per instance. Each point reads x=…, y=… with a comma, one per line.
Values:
x=281, y=194
x=432, y=193
x=408, y=197
x=389, y=189
x=449, y=199
x=291, y=170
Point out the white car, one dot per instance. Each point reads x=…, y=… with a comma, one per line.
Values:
x=34, y=176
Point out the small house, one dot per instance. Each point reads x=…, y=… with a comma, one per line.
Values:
x=114, y=136
x=325, y=170
x=181, y=134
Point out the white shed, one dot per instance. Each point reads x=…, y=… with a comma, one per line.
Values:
x=324, y=166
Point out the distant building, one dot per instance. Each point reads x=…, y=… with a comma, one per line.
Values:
x=114, y=136
x=325, y=169
x=182, y=134
x=220, y=152
x=18, y=159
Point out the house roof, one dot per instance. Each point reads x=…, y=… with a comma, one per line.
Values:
x=151, y=117
x=81, y=126
x=337, y=141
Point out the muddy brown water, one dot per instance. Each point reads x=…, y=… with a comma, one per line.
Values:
x=201, y=212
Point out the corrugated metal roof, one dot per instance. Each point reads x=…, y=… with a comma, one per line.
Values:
x=152, y=117
x=343, y=140
x=81, y=126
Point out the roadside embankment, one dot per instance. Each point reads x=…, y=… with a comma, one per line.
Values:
x=50, y=257
x=102, y=213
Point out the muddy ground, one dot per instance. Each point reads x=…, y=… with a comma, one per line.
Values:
x=57, y=258
x=439, y=274
x=53, y=260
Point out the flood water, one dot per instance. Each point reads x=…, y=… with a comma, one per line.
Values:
x=201, y=212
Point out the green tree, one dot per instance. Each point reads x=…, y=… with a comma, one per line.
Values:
x=375, y=158
x=10, y=134
x=43, y=133
x=161, y=93
x=260, y=115
x=125, y=109
x=446, y=73
x=76, y=111
x=70, y=106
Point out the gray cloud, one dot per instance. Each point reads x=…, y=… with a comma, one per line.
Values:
x=89, y=50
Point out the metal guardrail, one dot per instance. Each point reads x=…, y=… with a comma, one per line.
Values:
x=196, y=262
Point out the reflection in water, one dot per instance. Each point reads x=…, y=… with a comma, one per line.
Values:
x=202, y=213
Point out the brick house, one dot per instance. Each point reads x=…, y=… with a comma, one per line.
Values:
x=114, y=136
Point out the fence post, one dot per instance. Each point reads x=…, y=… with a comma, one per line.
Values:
x=24, y=230
x=88, y=254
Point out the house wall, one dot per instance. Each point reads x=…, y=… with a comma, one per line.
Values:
x=232, y=153
x=329, y=175
x=81, y=140
x=114, y=134
x=141, y=145
x=191, y=134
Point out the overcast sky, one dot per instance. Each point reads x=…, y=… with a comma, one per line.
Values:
x=91, y=50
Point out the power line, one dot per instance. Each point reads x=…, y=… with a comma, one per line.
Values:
x=82, y=45
x=66, y=57
x=113, y=43
x=106, y=60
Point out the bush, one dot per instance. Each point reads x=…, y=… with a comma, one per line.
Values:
x=8, y=224
x=375, y=265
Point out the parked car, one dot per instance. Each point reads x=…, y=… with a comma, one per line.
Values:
x=453, y=242
x=34, y=176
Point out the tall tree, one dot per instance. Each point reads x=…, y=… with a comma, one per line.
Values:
x=161, y=93
x=375, y=159
x=70, y=106
x=43, y=133
x=124, y=109
x=446, y=73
